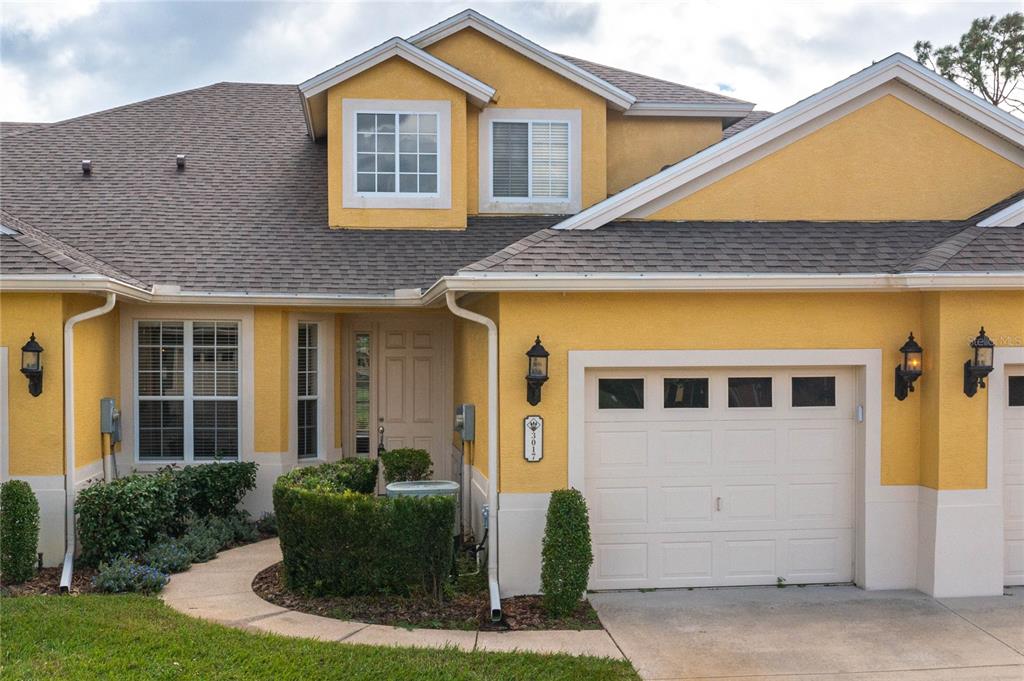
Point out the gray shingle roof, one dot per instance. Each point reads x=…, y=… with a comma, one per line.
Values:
x=653, y=90
x=16, y=127
x=751, y=119
x=768, y=247
x=18, y=258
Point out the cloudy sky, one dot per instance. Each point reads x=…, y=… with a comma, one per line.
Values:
x=59, y=60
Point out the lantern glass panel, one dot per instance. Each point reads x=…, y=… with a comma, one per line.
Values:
x=538, y=367
x=983, y=357
x=912, y=362
x=30, y=360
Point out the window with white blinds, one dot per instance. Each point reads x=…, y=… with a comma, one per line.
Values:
x=530, y=159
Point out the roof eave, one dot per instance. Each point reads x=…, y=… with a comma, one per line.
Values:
x=690, y=110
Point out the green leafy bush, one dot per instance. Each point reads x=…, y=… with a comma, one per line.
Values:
x=357, y=475
x=346, y=543
x=566, y=554
x=169, y=556
x=215, y=488
x=126, y=515
x=202, y=541
x=267, y=524
x=123, y=575
x=19, y=531
x=406, y=464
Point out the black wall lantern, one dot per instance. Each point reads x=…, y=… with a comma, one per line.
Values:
x=975, y=370
x=536, y=371
x=32, y=365
x=909, y=369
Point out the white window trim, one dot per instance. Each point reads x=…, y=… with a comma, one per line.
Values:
x=351, y=198
x=130, y=314
x=491, y=204
x=188, y=398
x=325, y=389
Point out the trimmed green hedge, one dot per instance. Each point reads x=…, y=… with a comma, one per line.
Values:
x=124, y=516
x=341, y=542
x=566, y=554
x=406, y=464
x=19, y=531
x=357, y=475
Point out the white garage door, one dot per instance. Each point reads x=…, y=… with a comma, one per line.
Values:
x=1013, y=474
x=720, y=476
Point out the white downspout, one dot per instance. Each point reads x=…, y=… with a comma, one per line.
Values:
x=492, y=446
x=69, y=436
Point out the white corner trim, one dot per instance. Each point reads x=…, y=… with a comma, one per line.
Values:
x=478, y=91
x=469, y=18
x=1011, y=216
x=724, y=110
x=351, y=198
x=488, y=203
x=897, y=67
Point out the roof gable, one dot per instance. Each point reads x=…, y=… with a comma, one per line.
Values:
x=314, y=90
x=637, y=200
x=615, y=96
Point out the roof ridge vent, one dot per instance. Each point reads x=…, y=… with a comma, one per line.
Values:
x=179, y=161
x=86, y=166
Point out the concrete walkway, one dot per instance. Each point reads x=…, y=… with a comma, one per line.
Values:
x=221, y=591
x=816, y=634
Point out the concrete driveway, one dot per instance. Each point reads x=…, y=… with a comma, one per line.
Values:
x=815, y=633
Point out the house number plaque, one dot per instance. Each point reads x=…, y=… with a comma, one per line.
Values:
x=533, y=438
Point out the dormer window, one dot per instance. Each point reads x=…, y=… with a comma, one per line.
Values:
x=529, y=160
x=396, y=153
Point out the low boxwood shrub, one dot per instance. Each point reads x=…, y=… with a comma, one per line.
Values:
x=215, y=488
x=356, y=475
x=406, y=464
x=566, y=553
x=346, y=543
x=125, y=516
x=124, y=575
x=168, y=555
x=19, y=531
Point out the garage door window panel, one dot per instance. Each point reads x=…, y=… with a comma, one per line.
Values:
x=685, y=393
x=1016, y=391
x=814, y=391
x=620, y=393
x=750, y=392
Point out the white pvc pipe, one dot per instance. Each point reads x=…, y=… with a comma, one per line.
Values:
x=69, y=435
x=492, y=446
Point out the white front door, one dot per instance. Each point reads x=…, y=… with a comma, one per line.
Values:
x=712, y=477
x=399, y=386
x=1013, y=475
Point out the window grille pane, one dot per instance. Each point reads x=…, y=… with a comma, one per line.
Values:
x=620, y=393
x=510, y=159
x=215, y=429
x=686, y=393
x=750, y=392
x=550, y=160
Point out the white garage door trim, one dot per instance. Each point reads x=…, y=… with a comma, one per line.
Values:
x=997, y=399
x=883, y=533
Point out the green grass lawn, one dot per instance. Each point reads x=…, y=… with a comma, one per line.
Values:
x=134, y=637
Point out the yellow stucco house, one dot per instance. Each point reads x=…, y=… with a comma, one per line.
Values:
x=291, y=275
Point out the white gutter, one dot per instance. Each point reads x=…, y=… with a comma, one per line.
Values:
x=69, y=436
x=492, y=446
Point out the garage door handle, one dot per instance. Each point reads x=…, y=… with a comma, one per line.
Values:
x=718, y=503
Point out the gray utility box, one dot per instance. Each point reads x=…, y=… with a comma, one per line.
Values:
x=427, y=488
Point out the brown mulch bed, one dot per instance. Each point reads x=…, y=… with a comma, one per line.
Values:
x=466, y=609
x=46, y=582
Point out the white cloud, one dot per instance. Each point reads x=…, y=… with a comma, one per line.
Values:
x=59, y=60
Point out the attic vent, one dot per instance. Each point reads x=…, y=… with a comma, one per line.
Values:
x=86, y=166
x=180, y=161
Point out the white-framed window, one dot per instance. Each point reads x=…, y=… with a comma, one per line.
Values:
x=187, y=390
x=307, y=400
x=396, y=153
x=530, y=160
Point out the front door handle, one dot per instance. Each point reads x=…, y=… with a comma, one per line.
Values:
x=380, y=439
x=718, y=503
